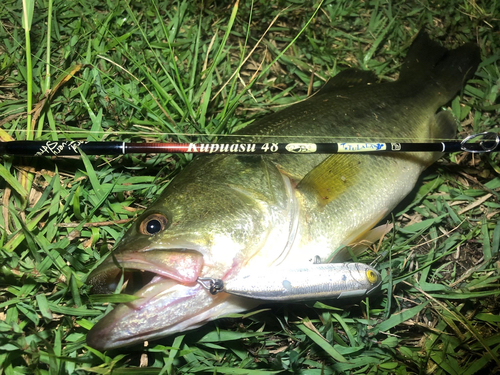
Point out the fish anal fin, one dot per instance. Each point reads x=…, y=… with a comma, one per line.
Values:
x=331, y=178
x=348, y=78
x=444, y=126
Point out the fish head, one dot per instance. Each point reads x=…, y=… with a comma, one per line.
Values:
x=189, y=232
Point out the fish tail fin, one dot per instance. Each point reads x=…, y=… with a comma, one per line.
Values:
x=428, y=61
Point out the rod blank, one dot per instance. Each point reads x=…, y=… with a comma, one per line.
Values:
x=484, y=142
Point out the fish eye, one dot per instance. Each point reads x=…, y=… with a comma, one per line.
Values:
x=371, y=276
x=153, y=224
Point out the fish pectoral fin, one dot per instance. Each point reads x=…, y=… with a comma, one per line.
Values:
x=331, y=178
x=348, y=78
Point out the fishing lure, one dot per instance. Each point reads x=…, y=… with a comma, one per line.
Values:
x=316, y=281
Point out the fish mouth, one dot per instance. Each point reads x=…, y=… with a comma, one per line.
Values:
x=140, y=268
x=159, y=279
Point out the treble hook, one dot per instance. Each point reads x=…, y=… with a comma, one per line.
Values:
x=214, y=286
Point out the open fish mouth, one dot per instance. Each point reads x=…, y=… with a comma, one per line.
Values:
x=160, y=279
x=141, y=268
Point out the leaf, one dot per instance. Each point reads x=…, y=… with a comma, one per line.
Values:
x=19, y=237
x=12, y=181
x=43, y=306
x=28, y=10
x=112, y=298
x=64, y=77
x=220, y=336
x=399, y=318
x=320, y=341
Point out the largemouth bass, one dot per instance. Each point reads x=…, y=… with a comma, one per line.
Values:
x=226, y=215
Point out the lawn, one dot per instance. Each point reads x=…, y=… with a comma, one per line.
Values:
x=190, y=71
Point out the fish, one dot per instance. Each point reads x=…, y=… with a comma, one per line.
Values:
x=228, y=215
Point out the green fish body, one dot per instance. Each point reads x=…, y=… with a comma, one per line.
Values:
x=227, y=214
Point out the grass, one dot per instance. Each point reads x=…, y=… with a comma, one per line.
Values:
x=186, y=71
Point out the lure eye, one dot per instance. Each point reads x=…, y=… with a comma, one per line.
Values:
x=371, y=276
x=153, y=224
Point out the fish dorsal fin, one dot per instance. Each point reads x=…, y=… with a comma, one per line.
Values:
x=331, y=178
x=349, y=78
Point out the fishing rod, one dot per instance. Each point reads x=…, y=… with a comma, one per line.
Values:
x=476, y=143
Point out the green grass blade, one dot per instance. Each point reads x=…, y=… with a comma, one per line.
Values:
x=320, y=341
